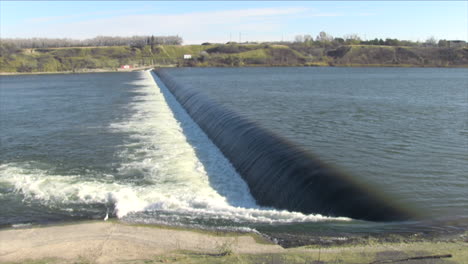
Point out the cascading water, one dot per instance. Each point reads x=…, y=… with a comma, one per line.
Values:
x=279, y=173
x=164, y=169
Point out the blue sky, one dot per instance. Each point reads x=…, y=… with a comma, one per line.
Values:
x=217, y=21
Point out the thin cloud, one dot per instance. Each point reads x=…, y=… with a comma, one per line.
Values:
x=48, y=19
x=326, y=15
x=188, y=25
x=82, y=15
x=261, y=12
x=333, y=14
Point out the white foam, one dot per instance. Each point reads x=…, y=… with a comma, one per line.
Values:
x=182, y=170
x=25, y=225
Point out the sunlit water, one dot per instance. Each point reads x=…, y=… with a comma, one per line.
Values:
x=81, y=146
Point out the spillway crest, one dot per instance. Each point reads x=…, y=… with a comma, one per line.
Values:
x=280, y=173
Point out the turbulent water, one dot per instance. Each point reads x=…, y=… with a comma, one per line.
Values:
x=81, y=146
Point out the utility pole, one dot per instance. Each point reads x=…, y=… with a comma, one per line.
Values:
x=240, y=34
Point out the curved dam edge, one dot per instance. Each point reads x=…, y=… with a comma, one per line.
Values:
x=279, y=173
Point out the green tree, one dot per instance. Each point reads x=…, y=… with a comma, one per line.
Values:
x=232, y=60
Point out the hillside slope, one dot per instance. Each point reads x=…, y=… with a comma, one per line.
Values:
x=14, y=60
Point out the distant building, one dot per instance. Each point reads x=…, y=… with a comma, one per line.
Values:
x=456, y=43
x=187, y=56
x=125, y=66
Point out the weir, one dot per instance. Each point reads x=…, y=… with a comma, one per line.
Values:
x=279, y=173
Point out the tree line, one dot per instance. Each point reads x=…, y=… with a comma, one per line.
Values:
x=324, y=38
x=99, y=41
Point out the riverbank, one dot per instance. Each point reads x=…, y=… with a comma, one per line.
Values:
x=252, y=66
x=111, y=242
x=229, y=55
x=103, y=70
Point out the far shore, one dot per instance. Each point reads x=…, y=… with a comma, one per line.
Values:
x=246, y=66
x=118, y=242
x=80, y=71
x=58, y=72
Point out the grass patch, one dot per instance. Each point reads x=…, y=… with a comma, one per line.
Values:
x=254, y=54
x=385, y=253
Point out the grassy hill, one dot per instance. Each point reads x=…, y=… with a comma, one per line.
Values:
x=14, y=60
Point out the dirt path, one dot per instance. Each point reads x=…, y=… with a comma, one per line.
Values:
x=107, y=242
